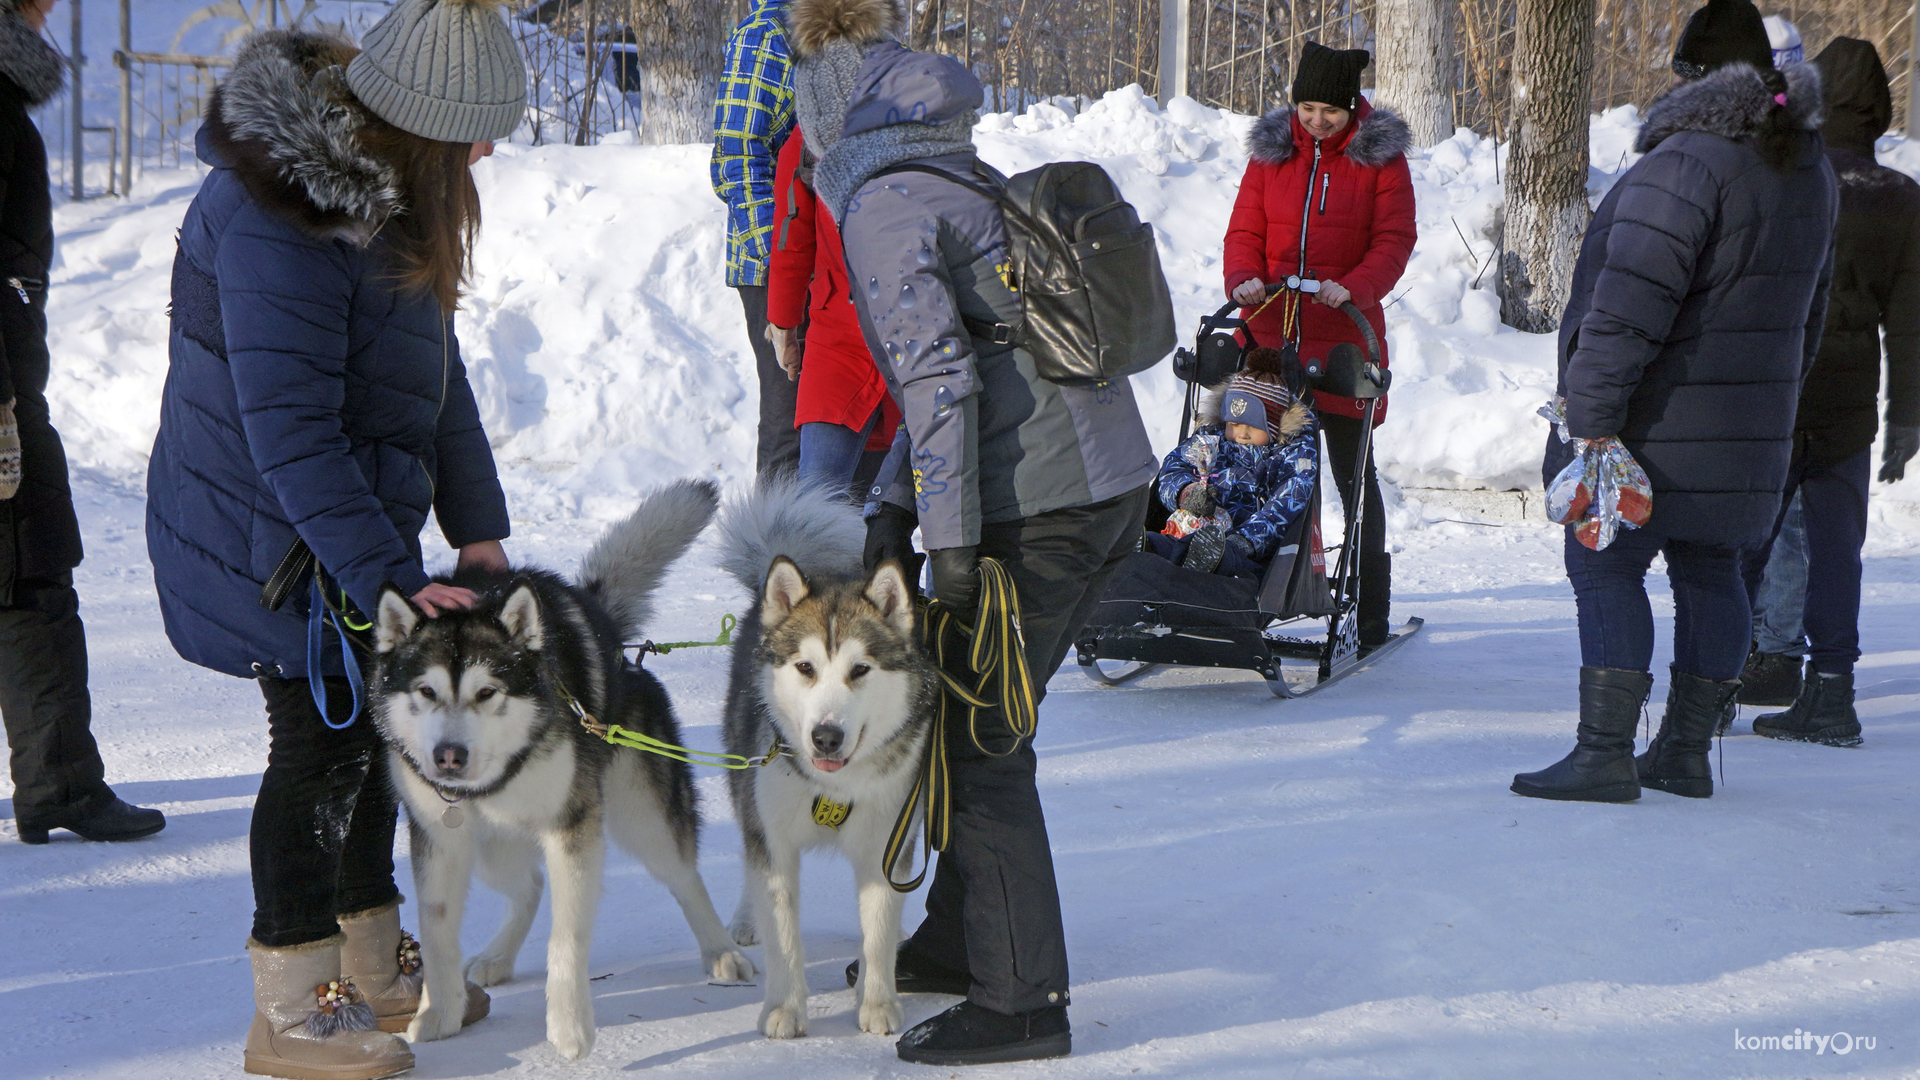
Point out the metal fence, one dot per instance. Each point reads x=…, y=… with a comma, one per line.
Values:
x=583, y=63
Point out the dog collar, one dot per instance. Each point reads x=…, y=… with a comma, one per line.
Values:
x=830, y=814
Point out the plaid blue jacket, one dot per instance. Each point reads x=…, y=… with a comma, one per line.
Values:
x=752, y=116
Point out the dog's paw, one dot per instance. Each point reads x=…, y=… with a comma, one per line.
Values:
x=729, y=966
x=571, y=1035
x=489, y=970
x=782, y=1022
x=744, y=932
x=881, y=1016
x=433, y=1023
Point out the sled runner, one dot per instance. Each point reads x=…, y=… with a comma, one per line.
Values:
x=1154, y=612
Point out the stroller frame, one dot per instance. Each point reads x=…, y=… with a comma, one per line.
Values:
x=1146, y=645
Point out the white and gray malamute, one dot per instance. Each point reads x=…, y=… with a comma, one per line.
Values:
x=492, y=760
x=826, y=662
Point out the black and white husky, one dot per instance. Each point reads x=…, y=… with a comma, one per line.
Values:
x=477, y=708
x=826, y=663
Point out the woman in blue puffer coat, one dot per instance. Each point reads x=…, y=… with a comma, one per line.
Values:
x=315, y=410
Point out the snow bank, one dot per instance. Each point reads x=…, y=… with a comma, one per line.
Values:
x=606, y=352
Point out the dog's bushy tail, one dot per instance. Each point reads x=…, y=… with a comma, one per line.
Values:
x=626, y=566
x=820, y=533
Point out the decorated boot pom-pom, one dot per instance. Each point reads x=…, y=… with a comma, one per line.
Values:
x=338, y=1007
x=409, y=954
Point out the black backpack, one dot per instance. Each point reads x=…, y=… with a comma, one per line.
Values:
x=1093, y=299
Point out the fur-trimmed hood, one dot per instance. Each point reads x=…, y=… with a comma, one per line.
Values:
x=285, y=122
x=1378, y=136
x=1206, y=411
x=26, y=58
x=1730, y=102
x=812, y=25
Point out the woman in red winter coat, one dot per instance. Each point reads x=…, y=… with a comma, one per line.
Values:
x=844, y=407
x=1327, y=195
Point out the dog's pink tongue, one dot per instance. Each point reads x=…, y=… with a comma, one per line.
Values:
x=825, y=765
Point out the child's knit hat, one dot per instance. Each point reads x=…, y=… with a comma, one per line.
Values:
x=1255, y=402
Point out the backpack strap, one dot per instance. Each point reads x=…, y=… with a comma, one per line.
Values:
x=997, y=332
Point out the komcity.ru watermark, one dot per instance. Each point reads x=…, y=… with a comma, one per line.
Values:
x=1839, y=1042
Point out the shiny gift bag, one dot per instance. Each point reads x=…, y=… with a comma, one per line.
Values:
x=1601, y=490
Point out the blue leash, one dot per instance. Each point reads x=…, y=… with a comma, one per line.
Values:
x=318, y=603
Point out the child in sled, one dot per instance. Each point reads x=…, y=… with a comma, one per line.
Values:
x=1235, y=486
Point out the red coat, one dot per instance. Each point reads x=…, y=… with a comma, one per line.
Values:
x=1360, y=227
x=807, y=279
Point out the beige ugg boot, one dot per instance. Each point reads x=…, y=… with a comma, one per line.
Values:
x=384, y=963
x=310, y=1024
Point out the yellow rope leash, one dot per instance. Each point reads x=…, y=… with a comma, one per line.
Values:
x=996, y=654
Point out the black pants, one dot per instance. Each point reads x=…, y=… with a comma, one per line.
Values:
x=321, y=844
x=1712, y=618
x=993, y=909
x=778, y=451
x=1376, y=566
x=43, y=697
x=1833, y=501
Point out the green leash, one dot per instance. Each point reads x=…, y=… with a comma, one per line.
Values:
x=727, y=623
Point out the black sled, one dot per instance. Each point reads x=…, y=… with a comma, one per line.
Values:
x=1155, y=613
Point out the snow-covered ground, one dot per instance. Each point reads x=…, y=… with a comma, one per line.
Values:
x=1333, y=887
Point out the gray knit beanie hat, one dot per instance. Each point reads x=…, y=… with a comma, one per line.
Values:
x=442, y=69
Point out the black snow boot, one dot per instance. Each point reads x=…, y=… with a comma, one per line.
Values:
x=1770, y=679
x=1600, y=769
x=915, y=974
x=970, y=1034
x=1823, y=714
x=1676, y=761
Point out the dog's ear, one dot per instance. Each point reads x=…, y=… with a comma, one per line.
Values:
x=394, y=620
x=888, y=590
x=786, y=587
x=521, y=616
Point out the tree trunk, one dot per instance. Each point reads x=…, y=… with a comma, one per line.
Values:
x=681, y=49
x=1546, y=181
x=1414, y=73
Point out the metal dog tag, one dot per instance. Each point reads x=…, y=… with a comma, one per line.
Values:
x=452, y=816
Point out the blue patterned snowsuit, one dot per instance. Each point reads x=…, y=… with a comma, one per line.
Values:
x=1263, y=489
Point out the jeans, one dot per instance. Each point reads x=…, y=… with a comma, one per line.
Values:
x=1711, y=617
x=321, y=843
x=830, y=453
x=1833, y=500
x=778, y=449
x=993, y=909
x=1782, y=597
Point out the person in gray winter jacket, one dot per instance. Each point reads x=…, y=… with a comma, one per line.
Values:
x=1695, y=312
x=997, y=462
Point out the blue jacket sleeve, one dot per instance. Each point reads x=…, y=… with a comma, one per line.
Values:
x=1295, y=468
x=1180, y=468
x=752, y=115
x=466, y=493
x=285, y=301
x=1660, y=224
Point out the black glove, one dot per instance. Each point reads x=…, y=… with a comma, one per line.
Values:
x=889, y=535
x=1902, y=443
x=956, y=579
x=1205, y=547
x=1195, y=499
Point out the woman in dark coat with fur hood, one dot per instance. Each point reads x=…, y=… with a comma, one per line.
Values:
x=58, y=777
x=1327, y=194
x=1696, y=310
x=315, y=411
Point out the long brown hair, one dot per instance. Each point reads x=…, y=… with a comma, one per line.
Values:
x=433, y=231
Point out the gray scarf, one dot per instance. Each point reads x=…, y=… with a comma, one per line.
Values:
x=26, y=58
x=822, y=86
x=856, y=159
